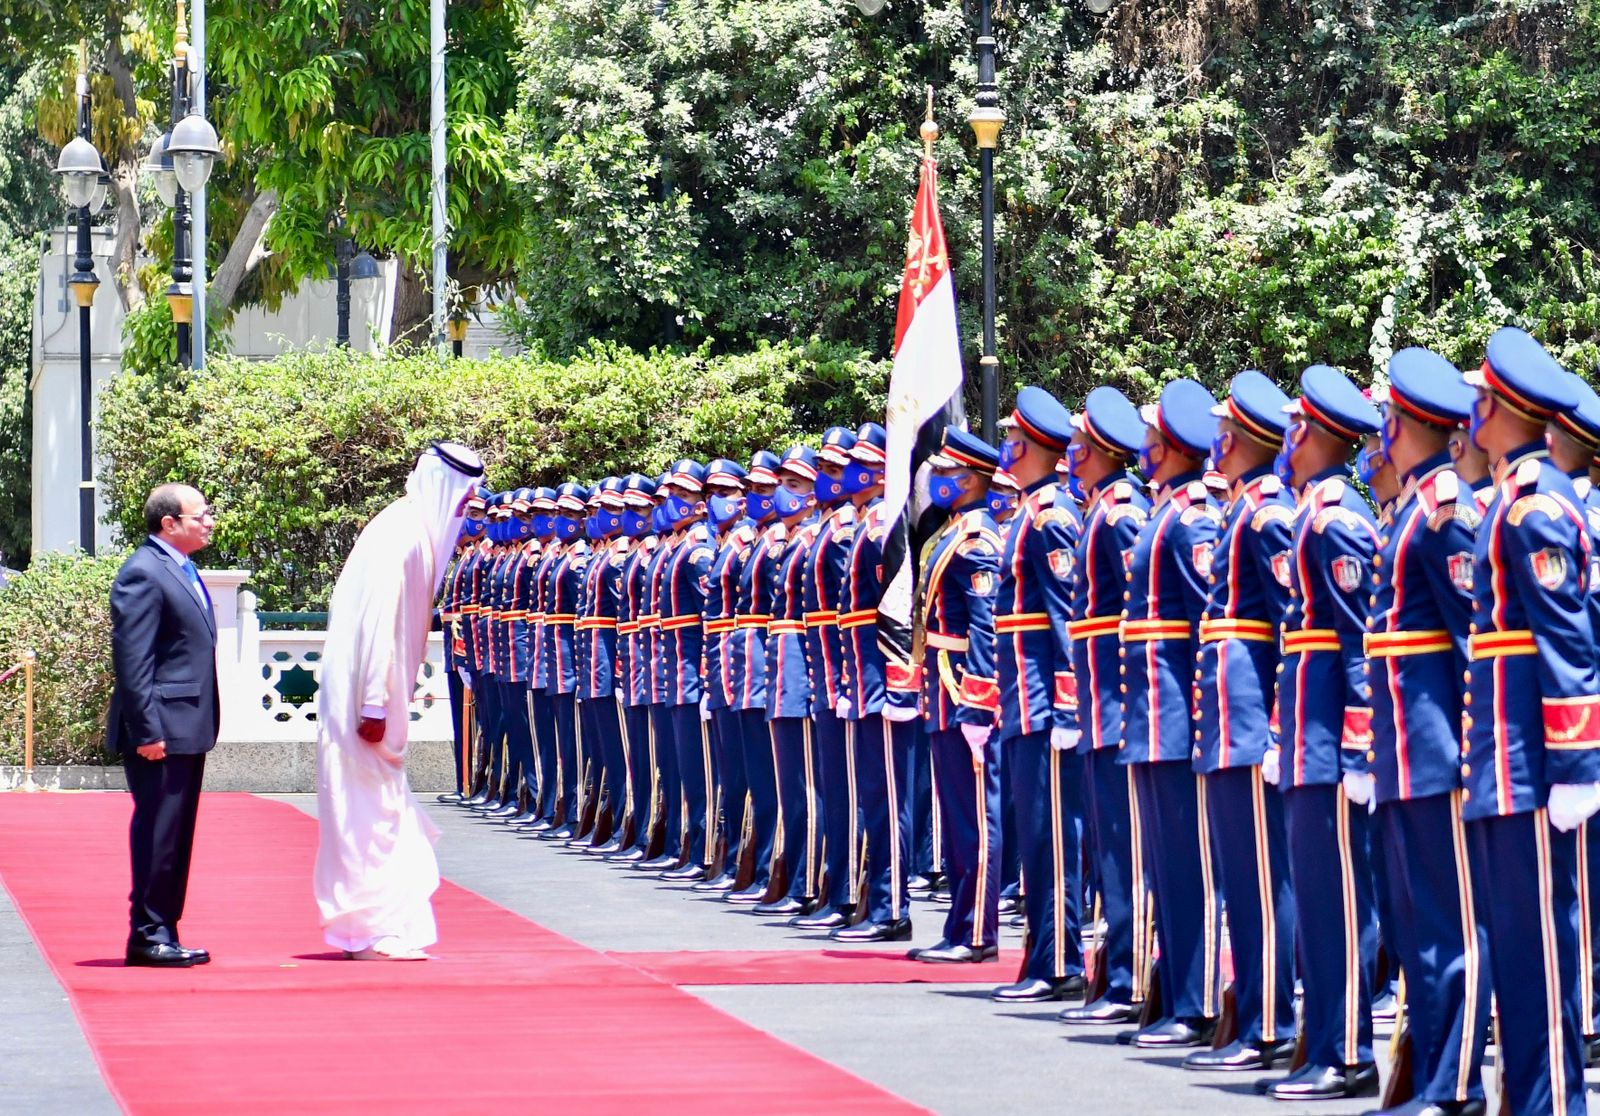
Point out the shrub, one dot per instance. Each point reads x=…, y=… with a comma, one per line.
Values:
x=299, y=452
x=60, y=607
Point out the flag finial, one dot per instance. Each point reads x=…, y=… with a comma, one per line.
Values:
x=930, y=130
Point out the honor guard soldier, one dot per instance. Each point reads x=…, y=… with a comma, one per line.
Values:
x=782, y=597
x=565, y=583
x=457, y=659
x=1472, y=466
x=824, y=588
x=881, y=748
x=747, y=670
x=1108, y=432
x=651, y=640
x=1166, y=600
x=634, y=667
x=684, y=583
x=1325, y=727
x=1532, y=725
x=725, y=483
x=1004, y=496
x=597, y=690
x=1416, y=645
x=524, y=550
x=486, y=625
x=1039, y=699
x=1233, y=684
x=542, y=715
x=1574, y=438
x=961, y=693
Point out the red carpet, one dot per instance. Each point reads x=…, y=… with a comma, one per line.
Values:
x=805, y=966
x=509, y=1014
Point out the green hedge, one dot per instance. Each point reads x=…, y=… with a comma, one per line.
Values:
x=299, y=452
x=60, y=607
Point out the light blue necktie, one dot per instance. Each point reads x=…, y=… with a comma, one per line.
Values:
x=195, y=582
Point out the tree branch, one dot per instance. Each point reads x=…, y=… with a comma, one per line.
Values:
x=244, y=253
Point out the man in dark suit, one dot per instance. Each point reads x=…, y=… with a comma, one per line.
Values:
x=164, y=713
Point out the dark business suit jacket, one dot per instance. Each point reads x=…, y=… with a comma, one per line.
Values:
x=163, y=649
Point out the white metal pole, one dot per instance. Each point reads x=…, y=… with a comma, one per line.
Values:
x=197, y=56
x=441, y=240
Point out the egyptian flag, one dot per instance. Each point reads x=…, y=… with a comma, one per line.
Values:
x=924, y=397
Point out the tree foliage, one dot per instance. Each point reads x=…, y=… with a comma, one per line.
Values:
x=19, y=276
x=299, y=452
x=1182, y=189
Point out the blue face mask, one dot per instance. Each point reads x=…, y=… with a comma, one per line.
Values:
x=1476, y=420
x=610, y=522
x=634, y=525
x=859, y=478
x=567, y=529
x=759, y=508
x=1281, y=467
x=544, y=526
x=1221, y=443
x=1147, y=461
x=472, y=528
x=1000, y=503
x=498, y=533
x=521, y=529
x=944, y=491
x=658, y=519
x=1075, y=488
x=676, y=510
x=1011, y=452
x=787, y=503
x=828, y=490
x=591, y=526
x=1368, y=462
x=722, y=509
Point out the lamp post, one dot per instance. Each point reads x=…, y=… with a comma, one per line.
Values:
x=181, y=162
x=81, y=171
x=986, y=121
x=356, y=277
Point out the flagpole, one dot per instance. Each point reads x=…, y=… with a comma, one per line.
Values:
x=986, y=121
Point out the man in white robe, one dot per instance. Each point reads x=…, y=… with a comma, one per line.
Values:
x=376, y=872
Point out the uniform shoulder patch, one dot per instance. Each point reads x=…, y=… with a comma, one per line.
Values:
x=1528, y=472
x=1125, y=511
x=1270, y=513
x=978, y=545
x=1197, y=513
x=1327, y=517
x=1053, y=516
x=702, y=554
x=1467, y=512
x=1536, y=502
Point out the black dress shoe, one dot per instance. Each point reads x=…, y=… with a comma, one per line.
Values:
x=1173, y=1034
x=454, y=798
x=1325, y=1083
x=687, y=874
x=1018, y=921
x=956, y=954
x=201, y=956
x=476, y=800
x=1384, y=1008
x=897, y=930
x=1010, y=905
x=659, y=864
x=1037, y=990
x=723, y=882
x=527, y=817
x=1101, y=1011
x=751, y=894
x=538, y=826
x=782, y=905
x=626, y=856
x=559, y=833
x=164, y=955
x=1239, y=1055
x=918, y=885
x=827, y=920
x=913, y=954
x=612, y=846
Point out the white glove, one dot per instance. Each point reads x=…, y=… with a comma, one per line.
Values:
x=1358, y=788
x=976, y=736
x=1272, y=766
x=466, y=679
x=1572, y=804
x=705, y=708
x=901, y=714
x=843, y=707
x=1064, y=739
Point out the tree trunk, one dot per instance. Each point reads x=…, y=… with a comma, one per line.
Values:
x=124, y=163
x=412, y=319
x=247, y=249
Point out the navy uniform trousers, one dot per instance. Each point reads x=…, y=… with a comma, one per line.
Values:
x=603, y=730
x=841, y=813
x=641, y=772
x=1336, y=924
x=458, y=701
x=1528, y=897
x=928, y=852
x=1047, y=788
x=491, y=727
x=733, y=788
x=761, y=773
x=799, y=807
x=1589, y=924
x=883, y=781
x=569, y=752
x=1177, y=847
x=969, y=807
x=1436, y=932
x=1247, y=833
x=691, y=738
x=519, y=736
x=671, y=796
x=1109, y=831
x=542, y=717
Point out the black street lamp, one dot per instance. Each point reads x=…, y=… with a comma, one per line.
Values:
x=356, y=276
x=181, y=161
x=81, y=172
x=986, y=121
